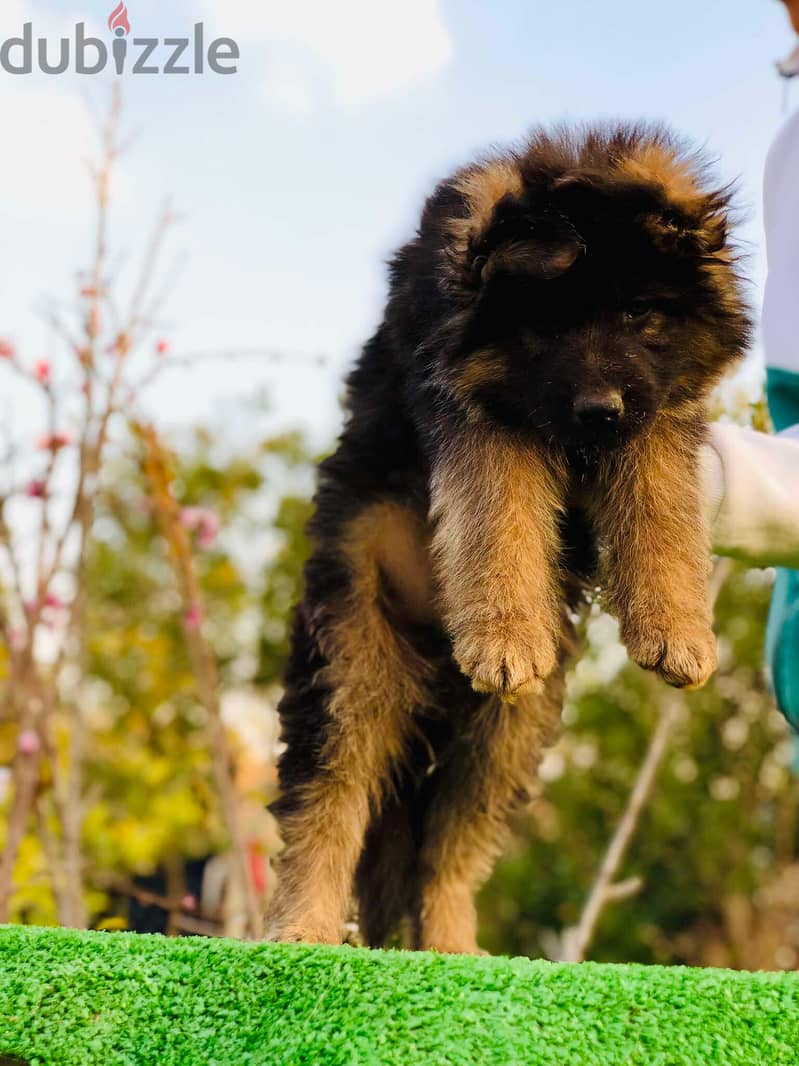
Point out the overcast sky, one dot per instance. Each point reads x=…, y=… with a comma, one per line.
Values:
x=297, y=176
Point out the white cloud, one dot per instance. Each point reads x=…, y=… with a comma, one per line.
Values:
x=49, y=134
x=291, y=83
x=47, y=22
x=13, y=13
x=48, y=129
x=368, y=47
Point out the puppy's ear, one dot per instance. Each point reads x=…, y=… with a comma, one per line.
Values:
x=692, y=228
x=494, y=230
x=541, y=244
x=688, y=218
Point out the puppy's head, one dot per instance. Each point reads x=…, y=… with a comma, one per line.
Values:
x=592, y=284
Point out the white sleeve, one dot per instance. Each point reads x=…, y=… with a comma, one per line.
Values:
x=751, y=485
x=779, y=324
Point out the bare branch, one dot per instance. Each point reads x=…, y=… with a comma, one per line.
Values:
x=158, y=471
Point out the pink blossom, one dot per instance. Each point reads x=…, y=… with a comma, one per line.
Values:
x=162, y=347
x=189, y=517
x=89, y=292
x=202, y=521
x=121, y=345
x=33, y=609
x=206, y=537
x=16, y=639
x=53, y=442
x=43, y=372
x=6, y=350
x=36, y=489
x=54, y=602
x=193, y=619
x=28, y=742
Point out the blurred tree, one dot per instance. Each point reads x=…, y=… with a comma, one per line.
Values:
x=117, y=641
x=149, y=792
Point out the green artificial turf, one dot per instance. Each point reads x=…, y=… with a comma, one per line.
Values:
x=113, y=998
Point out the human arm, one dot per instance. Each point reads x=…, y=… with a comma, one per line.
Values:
x=751, y=490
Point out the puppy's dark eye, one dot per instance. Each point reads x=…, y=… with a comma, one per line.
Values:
x=637, y=312
x=478, y=266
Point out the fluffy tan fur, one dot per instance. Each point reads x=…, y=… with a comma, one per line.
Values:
x=651, y=521
x=495, y=509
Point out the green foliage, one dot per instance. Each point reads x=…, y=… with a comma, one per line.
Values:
x=282, y=586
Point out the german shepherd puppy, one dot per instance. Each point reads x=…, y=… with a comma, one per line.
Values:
x=523, y=426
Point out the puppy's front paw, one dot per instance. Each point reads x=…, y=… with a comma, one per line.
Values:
x=684, y=654
x=509, y=657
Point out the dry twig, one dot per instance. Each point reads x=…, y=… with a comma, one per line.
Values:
x=159, y=474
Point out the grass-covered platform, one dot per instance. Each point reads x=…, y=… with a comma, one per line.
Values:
x=113, y=998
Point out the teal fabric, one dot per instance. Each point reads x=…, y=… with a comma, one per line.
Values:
x=782, y=634
x=782, y=391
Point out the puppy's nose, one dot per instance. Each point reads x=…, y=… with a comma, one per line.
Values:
x=599, y=410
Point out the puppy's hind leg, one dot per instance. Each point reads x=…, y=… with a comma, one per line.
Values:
x=351, y=690
x=488, y=775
